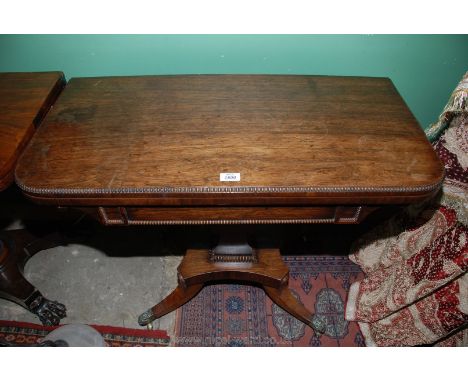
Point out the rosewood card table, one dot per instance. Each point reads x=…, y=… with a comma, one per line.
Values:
x=229, y=150
x=25, y=98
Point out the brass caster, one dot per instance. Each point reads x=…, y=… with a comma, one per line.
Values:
x=319, y=325
x=146, y=318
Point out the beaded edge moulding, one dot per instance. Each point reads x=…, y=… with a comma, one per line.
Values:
x=215, y=189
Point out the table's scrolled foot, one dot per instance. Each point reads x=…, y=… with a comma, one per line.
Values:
x=146, y=318
x=285, y=299
x=318, y=324
x=177, y=298
x=49, y=312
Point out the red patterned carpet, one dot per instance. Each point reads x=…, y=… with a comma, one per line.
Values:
x=27, y=334
x=238, y=315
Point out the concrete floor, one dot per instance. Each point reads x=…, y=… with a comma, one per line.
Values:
x=98, y=289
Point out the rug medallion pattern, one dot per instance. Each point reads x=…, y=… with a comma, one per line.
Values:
x=242, y=315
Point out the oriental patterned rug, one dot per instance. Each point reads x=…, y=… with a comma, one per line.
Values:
x=27, y=334
x=241, y=315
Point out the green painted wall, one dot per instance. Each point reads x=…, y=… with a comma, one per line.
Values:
x=425, y=69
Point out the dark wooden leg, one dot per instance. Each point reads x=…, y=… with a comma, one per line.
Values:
x=16, y=247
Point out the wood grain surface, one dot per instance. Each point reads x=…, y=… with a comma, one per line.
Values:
x=24, y=100
x=164, y=140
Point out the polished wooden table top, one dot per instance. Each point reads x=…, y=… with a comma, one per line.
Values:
x=24, y=100
x=292, y=140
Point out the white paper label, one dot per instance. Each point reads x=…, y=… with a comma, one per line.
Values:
x=229, y=177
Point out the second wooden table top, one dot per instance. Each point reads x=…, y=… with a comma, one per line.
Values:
x=292, y=140
x=24, y=100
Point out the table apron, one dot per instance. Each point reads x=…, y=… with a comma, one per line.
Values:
x=232, y=215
